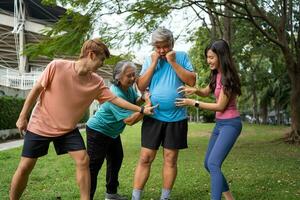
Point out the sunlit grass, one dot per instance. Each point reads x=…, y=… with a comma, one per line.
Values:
x=260, y=166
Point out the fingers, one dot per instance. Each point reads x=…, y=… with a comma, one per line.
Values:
x=181, y=89
x=155, y=106
x=180, y=102
x=22, y=132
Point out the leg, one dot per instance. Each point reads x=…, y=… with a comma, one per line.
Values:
x=114, y=160
x=20, y=178
x=96, y=147
x=169, y=167
x=142, y=170
x=228, y=195
x=226, y=138
x=81, y=159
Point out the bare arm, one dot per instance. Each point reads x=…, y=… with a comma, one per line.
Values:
x=185, y=76
x=144, y=80
x=218, y=106
x=129, y=106
x=29, y=102
x=203, y=92
x=135, y=117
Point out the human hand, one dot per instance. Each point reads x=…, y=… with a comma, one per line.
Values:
x=171, y=56
x=146, y=96
x=186, y=90
x=154, y=57
x=184, y=102
x=148, y=110
x=22, y=125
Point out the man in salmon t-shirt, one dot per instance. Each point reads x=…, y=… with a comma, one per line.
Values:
x=63, y=93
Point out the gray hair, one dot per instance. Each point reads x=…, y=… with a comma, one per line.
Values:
x=161, y=34
x=119, y=69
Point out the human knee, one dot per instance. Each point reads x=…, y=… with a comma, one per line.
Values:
x=25, y=168
x=170, y=160
x=146, y=160
x=83, y=161
x=213, y=166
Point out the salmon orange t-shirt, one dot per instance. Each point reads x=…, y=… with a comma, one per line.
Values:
x=65, y=98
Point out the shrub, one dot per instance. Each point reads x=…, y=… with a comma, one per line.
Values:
x=10, y=108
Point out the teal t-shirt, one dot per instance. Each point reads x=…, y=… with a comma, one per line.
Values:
x=109, y=118
x=163, y=88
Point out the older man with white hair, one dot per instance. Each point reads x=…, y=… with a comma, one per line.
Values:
x=162, y=73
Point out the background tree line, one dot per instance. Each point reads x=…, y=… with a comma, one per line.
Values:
x=263, y=35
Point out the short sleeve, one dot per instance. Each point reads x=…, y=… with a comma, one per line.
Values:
x=104, y=93
x=187, y=63
x=47, y=75
x=146, y=65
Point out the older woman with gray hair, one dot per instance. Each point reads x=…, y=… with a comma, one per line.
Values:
x=163, y=72
x=104, y=129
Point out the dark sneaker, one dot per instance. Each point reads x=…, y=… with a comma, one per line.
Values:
x=114, y=197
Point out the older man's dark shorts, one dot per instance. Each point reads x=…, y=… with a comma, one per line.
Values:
x=170, y=135
x=36, y=145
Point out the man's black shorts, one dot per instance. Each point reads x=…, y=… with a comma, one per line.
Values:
x=170, y=135
x=36, y=145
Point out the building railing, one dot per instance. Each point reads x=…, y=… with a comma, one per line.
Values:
x=14, y=79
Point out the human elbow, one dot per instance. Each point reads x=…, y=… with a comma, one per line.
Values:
x=191, y=81
x=129, y=122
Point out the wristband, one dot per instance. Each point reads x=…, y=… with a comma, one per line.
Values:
x=196, y=104
x=142, y=109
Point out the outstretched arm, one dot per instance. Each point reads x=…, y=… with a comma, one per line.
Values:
x=137, y=116
x=129, y=106
x=218, y=106
x=29, y=102
x=203, y=92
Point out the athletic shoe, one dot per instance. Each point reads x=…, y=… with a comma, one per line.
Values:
x=114, y=197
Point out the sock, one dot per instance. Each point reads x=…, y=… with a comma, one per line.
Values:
x=136, y=194
x=165, y=193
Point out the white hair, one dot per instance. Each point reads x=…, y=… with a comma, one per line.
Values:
x=119, y=69
x=161, y=34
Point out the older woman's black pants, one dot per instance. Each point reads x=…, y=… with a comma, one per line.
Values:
x=100, y=147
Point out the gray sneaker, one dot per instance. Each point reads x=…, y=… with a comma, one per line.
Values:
x=114, y=197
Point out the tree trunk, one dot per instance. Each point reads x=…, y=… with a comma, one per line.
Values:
x=294, y=74
x=264, y=113
x=227, y=36
x=254, y=97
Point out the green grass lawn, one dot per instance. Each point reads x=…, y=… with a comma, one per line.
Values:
x=259, y=167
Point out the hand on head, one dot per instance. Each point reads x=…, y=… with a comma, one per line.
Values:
x=171, y=56
x=154, y=57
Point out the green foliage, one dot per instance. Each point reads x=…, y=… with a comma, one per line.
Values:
x=9, y=112
x=115, y=59
x=65, y=37
x=201, y=40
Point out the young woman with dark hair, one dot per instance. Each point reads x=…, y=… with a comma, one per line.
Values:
x=225, y=84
